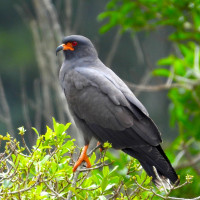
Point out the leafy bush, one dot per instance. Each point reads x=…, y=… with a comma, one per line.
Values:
x=45, y=171
x=181, y=67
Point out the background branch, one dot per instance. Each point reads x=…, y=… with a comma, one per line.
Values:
x=5, y=115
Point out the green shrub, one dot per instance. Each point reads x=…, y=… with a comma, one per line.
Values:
x=45, y=171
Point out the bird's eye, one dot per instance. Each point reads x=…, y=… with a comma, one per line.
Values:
x=74, y=43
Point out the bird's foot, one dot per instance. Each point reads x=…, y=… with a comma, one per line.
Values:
x=101, y=147
x=83, y=157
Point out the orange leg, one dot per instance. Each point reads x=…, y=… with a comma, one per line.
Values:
x=83, y=157
x=101, y=149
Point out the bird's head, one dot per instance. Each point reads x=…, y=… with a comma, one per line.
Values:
x=77, y=46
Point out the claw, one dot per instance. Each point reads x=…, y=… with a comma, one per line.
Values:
x=100, y=148
x=83, y=157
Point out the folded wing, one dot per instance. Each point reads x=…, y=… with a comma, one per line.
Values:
x=110, y=110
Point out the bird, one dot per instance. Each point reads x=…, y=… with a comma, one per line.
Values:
x=104, y=107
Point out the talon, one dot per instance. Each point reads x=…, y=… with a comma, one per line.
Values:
x=83, y=157
x=101, y=147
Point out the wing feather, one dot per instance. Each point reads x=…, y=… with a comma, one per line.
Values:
x=100, y=103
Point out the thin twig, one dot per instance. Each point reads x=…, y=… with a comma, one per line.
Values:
x=90, y=169
x=163, y=197
x=54, y=19
x=68, y=16
x=26, y=189
x=190, y=163
x=5, y=117
x=182, y=185
x=138, y=48
x=196, y=62
x=113, y=49
x=88, y=189
x=93, y=150
x=84, y=178
x=12, y=175
x=24, y=143
x=156, y=88
x=57, y=194
x=159, y=179
x=26, y=111
x=117, y=191
x=12, y=151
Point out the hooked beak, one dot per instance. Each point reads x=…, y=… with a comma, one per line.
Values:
x=59, y=48
x=67, y=46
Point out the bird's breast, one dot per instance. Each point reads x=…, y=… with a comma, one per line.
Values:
x=73, y=83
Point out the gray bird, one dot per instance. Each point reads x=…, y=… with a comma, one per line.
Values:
x=105, y=108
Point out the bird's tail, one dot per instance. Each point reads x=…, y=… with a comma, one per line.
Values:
x=156, y=164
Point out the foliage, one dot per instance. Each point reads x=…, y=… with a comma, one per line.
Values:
x=139, y=15
x=181, y=67
x=45, y=171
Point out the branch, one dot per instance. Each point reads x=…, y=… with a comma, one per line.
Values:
x=163, y=197
x=24, y=143
x=138, y=48
x=93, y=168
x=26, y=189
x=54, y=19
x=156, y=88
x=73, y=184
x=88, y=189
x=57, y=194
x=38, y=105
x=192, y=162
x=196, y=62
x=117, y=191
x=68, y=18
x=113, y=49
x=93, y=150
x=5, y=117
x=26, y=113
x=160, y=180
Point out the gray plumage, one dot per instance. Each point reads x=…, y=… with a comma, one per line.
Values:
x=105, y=108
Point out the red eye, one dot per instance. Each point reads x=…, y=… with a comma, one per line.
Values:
x=74, y=43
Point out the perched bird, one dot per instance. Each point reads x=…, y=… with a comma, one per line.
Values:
x=105, y=108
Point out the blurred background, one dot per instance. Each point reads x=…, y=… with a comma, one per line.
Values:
x=31, y=31
x=134, y=38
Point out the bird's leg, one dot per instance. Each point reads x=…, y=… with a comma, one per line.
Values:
x=83, y=157
x=101, y=147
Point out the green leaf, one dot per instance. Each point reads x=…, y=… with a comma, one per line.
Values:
x=43, y=161
x=35, y=130
x=166, y=61
x=113, y=170
x=107, y=145
x=105, y=171
x=55, y=124
x=161, y=72
x=7, y=183
x=179, y=67
x=11, y=163
x=143, y=175
x=74, y=191
x=102, y=16
x=114, y=180
x=109, y=186
x=102, y=197
x=104, y=183
x=49, y=133
x=67, y=125
x=93, y=158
